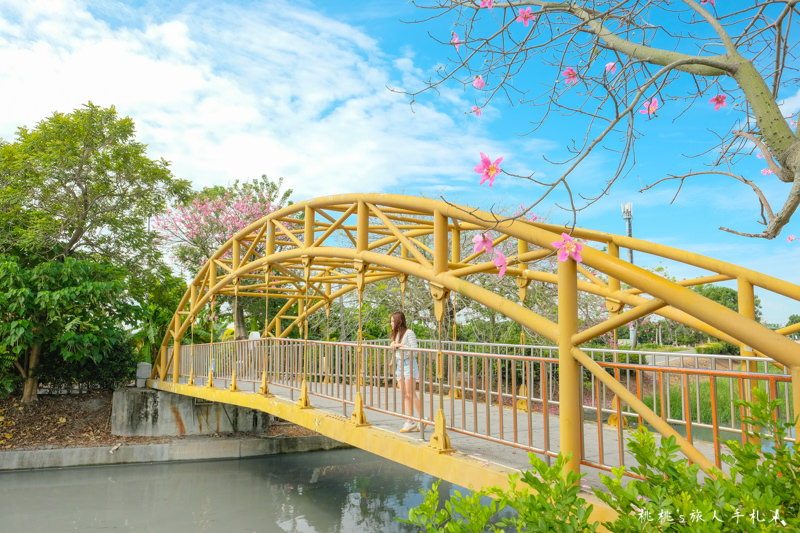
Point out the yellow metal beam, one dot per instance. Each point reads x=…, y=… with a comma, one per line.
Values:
x=570, y=396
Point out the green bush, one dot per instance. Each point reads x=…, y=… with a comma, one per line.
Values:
x=648, y=346
x=554, y=496
x=762, y=492
x=711, y=348
x=116, y=368
x=9, y=383
x=716, y=348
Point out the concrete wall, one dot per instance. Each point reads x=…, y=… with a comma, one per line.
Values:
x=188, y=449
x=150, y=413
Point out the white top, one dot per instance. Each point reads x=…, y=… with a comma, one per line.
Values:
x=409, y=340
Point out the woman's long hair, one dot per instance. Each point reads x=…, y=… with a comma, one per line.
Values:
x=399, y=328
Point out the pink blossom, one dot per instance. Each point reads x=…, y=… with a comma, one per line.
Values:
x=650, y=107
x=482, y=241
x=487, y=169
x=712, y=2
x=487, y=3
x=792, y=123
x=455, y=41
x=611, y=67
x=758, y=155
x=766, y=171
x=568, y=247
x=477, y=110
x=500, y=262
x=525, y=16
x=570, y=75
x=791, y=238
x=719, y=101
x=478, y=83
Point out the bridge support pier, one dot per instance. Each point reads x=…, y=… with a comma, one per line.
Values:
x=151, y=413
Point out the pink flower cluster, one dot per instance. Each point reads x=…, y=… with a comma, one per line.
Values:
x=568, y=247
x=650, y=107
x=570, y=75
x=525, y=16
x=482, y=242
x=487, y=169
x=205, y=224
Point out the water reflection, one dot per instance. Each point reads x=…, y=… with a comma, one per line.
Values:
x=335, y=491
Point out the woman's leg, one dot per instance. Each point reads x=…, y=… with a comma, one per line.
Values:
x=411, y=398
x=408, y=391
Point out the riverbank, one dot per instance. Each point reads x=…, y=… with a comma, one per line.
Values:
x=75, y=430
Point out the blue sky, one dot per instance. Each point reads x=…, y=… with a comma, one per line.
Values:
x=227, y=90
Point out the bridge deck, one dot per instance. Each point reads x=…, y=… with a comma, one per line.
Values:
x=508, y=456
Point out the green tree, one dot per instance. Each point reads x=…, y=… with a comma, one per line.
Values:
x=158, y=305
x=77, y=186
x=730, y=299
x=793, y=319
x=73, y=308
x=727, y=297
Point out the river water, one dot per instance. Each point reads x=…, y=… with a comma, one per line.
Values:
x=331, y=491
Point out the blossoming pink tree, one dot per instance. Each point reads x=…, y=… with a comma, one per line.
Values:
x=191, y=232
x=195, y=230
x=614, y=67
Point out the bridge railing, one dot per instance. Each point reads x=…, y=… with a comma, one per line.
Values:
x=508, y=393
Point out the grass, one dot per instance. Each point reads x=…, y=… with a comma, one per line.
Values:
x=677, y=409
x=727, y=392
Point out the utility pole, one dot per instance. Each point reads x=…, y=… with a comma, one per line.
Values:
x=627, y=214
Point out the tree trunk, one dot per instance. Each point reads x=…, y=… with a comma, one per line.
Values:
x=30, y=391
x=342, y=333
x=241, y=327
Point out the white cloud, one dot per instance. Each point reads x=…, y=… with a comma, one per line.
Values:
x=791, y=105
x=225, y=92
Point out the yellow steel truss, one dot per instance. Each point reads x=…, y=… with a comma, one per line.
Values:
x=313, y=252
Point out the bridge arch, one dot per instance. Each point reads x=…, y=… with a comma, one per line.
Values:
x=303, y=251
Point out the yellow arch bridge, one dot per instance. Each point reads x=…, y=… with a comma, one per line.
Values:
x=484, y=406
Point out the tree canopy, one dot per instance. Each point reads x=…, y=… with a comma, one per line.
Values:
x=194, y=229
x=79, y=185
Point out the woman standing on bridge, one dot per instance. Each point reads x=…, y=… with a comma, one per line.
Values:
x=406, y=371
